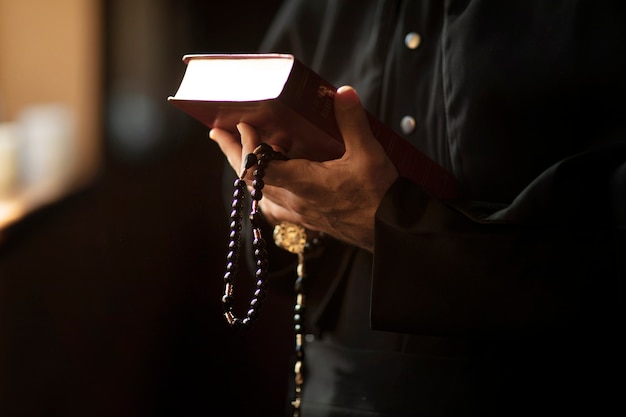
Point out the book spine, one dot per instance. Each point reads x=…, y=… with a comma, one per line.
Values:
x=313, y=98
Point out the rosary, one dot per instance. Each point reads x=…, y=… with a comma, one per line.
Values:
x=288, y=236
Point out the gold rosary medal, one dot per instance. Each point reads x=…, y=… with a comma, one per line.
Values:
x=290, y=237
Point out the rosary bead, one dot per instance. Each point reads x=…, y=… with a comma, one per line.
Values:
x=227, y=303
x=260, y=253
x=238, y=194
x=256, y=194
x=237, y=204
x=300, y=271
x=228, y=277
x=253, y=314
x=256, y=303
x=232, y=268
x=298, y=308
x=261, y=274
x=261, y=283
x=239, y=184
x=235, y=225
x=262, y=264
x=297, y=318
x=230, y=317
x=235, y=235
x=255, y=219
x=259, y=294
x=250, y=161
x=299, y=352
x=259, y=243
x=232, y=256
x=258, y=183
x=298, y=284
x=263, y=148
x=259, y=173
x=297, y=327
x=236, y=215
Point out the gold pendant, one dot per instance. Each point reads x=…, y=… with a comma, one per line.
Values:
x=290, y=237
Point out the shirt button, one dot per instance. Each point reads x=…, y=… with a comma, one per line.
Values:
x=412, y=40
x=407, y=124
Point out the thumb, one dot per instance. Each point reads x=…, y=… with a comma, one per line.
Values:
x=352, y=119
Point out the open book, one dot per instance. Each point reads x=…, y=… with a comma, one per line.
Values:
x=283, y=98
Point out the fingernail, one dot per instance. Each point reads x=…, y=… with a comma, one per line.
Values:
x=348, y=97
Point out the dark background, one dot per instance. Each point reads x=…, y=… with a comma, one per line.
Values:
x=110, y=298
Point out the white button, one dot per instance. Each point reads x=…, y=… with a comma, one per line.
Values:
x=407, y=124
x=412, y=40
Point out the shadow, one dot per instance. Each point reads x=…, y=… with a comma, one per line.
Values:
x=110, y=299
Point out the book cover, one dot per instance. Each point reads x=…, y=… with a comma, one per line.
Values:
x=282, y=98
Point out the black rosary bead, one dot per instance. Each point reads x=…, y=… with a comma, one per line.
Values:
x=253, y=314
x=259, y=173
x=299, y=352
x=258, y=244
x=236, y=215
x=261, y=275
x=298, y=286
x=260, y=253
x=235, y=225
x=250, y=161
x=227, y=303
x=261, y=284
x=258, y=183
x=232, y=257
x=262, y=264
x=255, y=219
x=232, y=268
x=256, y=194
x=240, y=184
x=238, y=193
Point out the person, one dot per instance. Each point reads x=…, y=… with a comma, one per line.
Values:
x=507, y=300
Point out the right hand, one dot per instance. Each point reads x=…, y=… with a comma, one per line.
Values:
x=337, y=197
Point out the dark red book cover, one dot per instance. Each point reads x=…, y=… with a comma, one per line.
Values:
x=301, y=106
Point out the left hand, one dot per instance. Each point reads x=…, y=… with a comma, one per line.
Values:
x=338, y=197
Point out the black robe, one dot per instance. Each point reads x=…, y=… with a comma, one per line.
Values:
x=509, y=300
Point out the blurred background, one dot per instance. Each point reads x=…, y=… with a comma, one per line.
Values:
x=112, y=228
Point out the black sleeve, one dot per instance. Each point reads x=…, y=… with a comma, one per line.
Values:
x=554, y=257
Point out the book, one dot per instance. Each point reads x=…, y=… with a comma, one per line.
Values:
x=284, y=99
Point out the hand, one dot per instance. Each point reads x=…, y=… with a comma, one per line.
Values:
x=338, y=197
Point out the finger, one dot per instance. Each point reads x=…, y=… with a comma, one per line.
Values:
x=352, y=120
x=290, y=174
x=229, y=145
x=250, y=138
